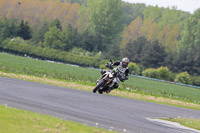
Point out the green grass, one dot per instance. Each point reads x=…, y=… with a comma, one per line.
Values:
x=20, y=121
x=188, y=122
x=16, y=64
x=156, y=88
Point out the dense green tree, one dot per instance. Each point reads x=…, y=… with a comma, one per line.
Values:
x=38, y=36
x=63, y=40
x=173, y=17
x=153, y=55
x=56, y=23
x=184, y=61
x=170, y=60
x=163, y=24
x=90, y=42
x=142, y=51
x=24, y=31
x=191, y=33
x=8, y=28
x=53, y=38
x=113, y=51
x=188, y=60
x=189, y=48
x=196, y=60
x=83, y=23
x=105, y=19
x=69, y=36
x=131, y=11
x=153, y=12
x=133, y=49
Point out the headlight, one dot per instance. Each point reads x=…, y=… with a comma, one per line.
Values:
x=111, y=75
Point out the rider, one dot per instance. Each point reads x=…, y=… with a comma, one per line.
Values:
x=123, y=70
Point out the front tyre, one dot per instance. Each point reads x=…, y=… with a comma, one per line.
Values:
x=101, y=84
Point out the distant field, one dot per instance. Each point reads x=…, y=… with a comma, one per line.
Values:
x=16, y=64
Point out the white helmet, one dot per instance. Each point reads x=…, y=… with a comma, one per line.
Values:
x=125, y=62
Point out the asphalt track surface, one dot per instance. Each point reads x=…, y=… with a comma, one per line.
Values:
x=105, y=111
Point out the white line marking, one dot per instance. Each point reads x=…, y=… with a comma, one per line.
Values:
x=124, y=130
x=173, y=125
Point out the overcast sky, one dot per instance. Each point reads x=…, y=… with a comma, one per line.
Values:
x=185, y=5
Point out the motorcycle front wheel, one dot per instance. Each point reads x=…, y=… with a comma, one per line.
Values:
x=101, y=84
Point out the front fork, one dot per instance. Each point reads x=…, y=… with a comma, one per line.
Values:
x=106, y=79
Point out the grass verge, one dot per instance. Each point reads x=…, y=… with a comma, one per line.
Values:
x=89, y=87
x=188, y=122
x=20, y=121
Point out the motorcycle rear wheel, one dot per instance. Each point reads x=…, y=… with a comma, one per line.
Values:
x=100, y=90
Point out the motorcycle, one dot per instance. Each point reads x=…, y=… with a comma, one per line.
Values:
x=107, y=80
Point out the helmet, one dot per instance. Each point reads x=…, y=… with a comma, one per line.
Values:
x=125, y=62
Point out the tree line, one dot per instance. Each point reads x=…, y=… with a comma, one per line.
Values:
x=150, y=36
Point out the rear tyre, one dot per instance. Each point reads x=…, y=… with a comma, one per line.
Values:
x=100, y=91
x=101, y=84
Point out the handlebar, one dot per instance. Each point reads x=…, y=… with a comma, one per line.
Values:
x=109, y=65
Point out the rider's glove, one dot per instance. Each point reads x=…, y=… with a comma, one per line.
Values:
x=109, y=65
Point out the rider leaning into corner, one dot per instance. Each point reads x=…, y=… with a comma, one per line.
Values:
x=123, y=69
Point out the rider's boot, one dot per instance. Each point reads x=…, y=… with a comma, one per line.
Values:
x=115, y=86
x=110, y=89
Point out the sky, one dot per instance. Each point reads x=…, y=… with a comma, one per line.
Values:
x=184, y=5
